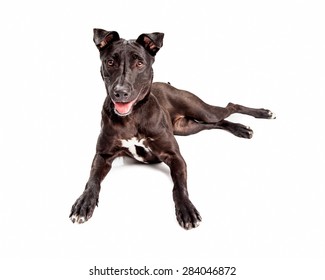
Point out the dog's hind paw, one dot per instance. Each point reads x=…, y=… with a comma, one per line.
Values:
x=271, y=115
x=265, y=114
x=242, y=131
x=187, y=216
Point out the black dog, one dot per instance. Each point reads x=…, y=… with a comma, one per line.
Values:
x=140, y=119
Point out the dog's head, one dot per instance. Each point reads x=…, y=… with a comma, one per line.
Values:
x=127, y=67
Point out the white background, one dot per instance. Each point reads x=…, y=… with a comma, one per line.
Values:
x=262, y=200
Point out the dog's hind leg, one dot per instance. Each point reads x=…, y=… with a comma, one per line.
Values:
x=202, y=112
x=196, y=115
x=184, y=104
x=189, y=114
x=184, y=126
x=257, y=113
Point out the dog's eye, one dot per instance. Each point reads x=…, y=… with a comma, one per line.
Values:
x=140, y=63
x=110, y=62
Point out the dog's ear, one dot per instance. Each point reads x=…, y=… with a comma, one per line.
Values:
x=152, y=42
x=102, y=38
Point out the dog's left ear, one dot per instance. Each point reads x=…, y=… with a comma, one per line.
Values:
x=102, y=38
x=152, y=42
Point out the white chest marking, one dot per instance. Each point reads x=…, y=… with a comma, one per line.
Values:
x=130, y=145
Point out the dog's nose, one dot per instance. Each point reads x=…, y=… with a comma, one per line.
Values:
x=121, y=93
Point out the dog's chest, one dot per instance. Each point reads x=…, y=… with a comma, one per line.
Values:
x=136, y=147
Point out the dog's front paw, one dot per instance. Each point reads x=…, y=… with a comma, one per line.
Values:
x=187, y=215
x=83, y=208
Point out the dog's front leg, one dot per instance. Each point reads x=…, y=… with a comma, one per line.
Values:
x=187, y=215
x=83, y=208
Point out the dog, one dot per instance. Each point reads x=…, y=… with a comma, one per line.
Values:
x=140, y=120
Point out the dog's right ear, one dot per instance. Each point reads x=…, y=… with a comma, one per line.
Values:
x=103, y=38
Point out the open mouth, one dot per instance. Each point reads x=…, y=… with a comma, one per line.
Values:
x=123, y=109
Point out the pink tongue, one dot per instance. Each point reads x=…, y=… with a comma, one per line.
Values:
x=123, y=108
